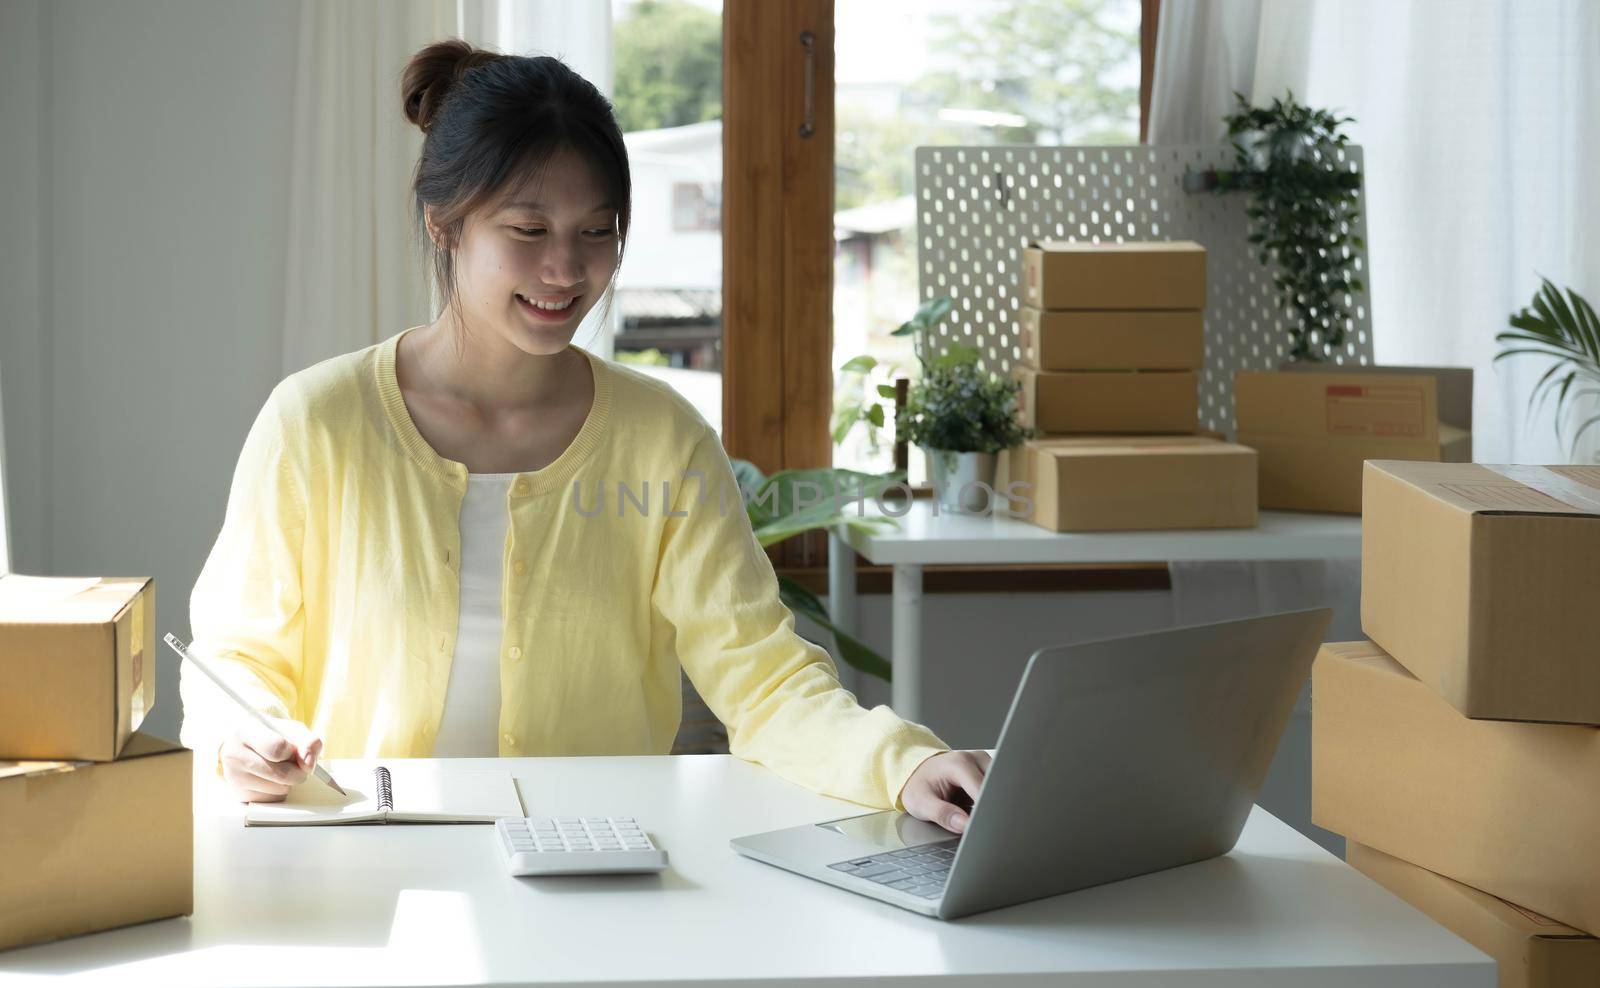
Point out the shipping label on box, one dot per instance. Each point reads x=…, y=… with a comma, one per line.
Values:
x=78, y=655
x=1315, y=425
x=1479, y=579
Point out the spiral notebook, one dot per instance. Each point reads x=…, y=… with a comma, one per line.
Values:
x=395, y=792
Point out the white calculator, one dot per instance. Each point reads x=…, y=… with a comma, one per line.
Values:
x=590, y=845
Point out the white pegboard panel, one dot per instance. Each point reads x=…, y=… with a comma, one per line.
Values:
x=977, y=207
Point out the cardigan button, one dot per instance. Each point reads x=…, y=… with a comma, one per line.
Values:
x=515, y=652
x=510, y=740
x=519, y=567
x=521, y=487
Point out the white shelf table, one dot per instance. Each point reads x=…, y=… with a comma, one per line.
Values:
x=931, y=536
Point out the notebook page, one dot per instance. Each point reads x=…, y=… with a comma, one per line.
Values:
x=425, y=792
x=314, y=802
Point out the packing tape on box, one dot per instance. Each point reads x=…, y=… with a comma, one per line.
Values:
x=1572, y=493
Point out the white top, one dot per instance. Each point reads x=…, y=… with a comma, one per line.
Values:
x=471, y=722
x=951, y=537
x=422, y=905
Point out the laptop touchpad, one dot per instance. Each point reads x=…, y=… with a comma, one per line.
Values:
x=889, y=829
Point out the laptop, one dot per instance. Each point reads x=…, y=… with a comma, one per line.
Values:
x=1118, y=758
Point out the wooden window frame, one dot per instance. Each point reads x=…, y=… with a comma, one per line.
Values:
x=777, y=256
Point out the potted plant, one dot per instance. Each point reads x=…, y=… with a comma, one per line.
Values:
x=1303, y=211
x=1566, y=331
x=962, y=417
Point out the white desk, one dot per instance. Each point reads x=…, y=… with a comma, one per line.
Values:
x=926, y=538
x=415, y=905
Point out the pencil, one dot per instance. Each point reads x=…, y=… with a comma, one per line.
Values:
x=183, y=651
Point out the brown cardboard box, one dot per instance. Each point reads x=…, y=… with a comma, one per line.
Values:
x=1533, y=951
x=1111, y=339
x=1078, y=274
x=1132, y=483
x=88, y=846
x=1315, y=425
x=1481, y=584
x=1078, y=402
x=1510, y=809
x=78, y=660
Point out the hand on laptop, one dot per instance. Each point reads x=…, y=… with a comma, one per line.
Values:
x=261, y=767
x=944, y=788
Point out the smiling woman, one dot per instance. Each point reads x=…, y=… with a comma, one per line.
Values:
x=566, y=220
x=399, y=571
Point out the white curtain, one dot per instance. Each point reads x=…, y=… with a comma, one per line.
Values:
x=354, y=277
x=1480, y=122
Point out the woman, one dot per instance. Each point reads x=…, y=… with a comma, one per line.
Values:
x=437, y=545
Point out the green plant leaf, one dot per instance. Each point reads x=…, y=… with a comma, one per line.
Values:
x=875, y=415
x=830, y=494
x=844, y=422
x=958, y=355
x=886, y=391
x=859, y=364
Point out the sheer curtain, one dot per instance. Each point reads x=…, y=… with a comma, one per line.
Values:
x=1480, y=121
x=1480, y=124
x=354, y=277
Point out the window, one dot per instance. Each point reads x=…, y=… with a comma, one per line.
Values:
x=667, y=91
x=959, y=72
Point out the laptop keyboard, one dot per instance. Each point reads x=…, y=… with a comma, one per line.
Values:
x=920, y=870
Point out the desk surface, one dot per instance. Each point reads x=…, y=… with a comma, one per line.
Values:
x=955, y=538
x=414, y=905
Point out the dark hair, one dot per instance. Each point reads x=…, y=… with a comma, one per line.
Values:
x=491, y=120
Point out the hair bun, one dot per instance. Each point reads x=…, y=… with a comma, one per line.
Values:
x=431, y=73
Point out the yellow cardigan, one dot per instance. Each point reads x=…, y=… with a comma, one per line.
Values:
x=331, y=594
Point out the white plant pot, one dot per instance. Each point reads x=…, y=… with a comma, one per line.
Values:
x=962, y=481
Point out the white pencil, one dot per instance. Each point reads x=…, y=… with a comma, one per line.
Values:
x=177, y=646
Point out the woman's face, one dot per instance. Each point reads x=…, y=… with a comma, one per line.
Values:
x=529, y=269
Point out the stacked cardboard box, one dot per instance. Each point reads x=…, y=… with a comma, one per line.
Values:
x=96, y=821
x=1315, y=424
x=1111, y=337
x=1111, y=483
x=1533, y=951
x=1464, y=739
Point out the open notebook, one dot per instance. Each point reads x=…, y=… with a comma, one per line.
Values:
x=395, y=793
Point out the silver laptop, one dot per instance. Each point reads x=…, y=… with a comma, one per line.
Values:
x=1118, y=758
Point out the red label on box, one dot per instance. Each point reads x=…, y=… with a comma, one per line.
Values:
x=1381, y=411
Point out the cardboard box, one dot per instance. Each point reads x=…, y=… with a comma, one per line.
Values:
x=1533, y=951
x=88, y=846
x=1132, y=483
x=1314, y=425
x=1510, y=809
x=1079, y=402
x=1111, y=339
x=1078, y=274
x=1479, y=580
x=78, y=664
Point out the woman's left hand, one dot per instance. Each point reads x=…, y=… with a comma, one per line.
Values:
x=944, y=788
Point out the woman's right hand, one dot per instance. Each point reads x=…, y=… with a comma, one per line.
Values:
x=261, y=767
